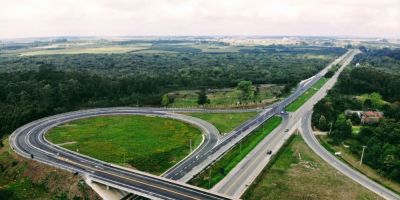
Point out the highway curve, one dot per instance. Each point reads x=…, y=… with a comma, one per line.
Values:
x=29, y=141
x=311, y=140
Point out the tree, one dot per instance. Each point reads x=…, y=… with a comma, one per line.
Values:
x=257, y=91
x=246, y=88
x=367, y=104
x=342, y=129
x=376, y=99
x=322, y=123
x=165, y=100
x=202, y=97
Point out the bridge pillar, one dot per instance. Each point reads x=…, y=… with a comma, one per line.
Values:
x=105, y=191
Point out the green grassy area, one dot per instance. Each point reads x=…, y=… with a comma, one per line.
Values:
x=225, y=122
x=234, y=156
x=151, y=144
x=353, y=161
x=22, y=179
x=228, y=97
x=355, y=129
x=296, y=172
x=375, y=98
x=307, y=95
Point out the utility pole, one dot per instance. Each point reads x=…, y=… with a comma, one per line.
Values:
x=209, y=180
x=362, y=154
x=137, y=103
x=190, y=145
x=330, y=129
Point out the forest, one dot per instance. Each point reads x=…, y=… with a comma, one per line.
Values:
x=371, y=86
x=32, y=87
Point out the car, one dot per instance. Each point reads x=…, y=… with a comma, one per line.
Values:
x=283, y=112
x=338, y=153
x=286, y=130
x=269, y=152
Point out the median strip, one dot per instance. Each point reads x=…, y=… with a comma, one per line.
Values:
x=211, y=176
x=307, y=95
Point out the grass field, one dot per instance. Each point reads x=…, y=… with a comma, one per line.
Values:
x=297, y=173
x=355, y=129
x=353, y=161
x=224, y=97
x=307, y=95
x=234, y=156
x=151, y=144
x=225, y=122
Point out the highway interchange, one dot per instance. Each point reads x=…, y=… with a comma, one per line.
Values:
x=29, y=141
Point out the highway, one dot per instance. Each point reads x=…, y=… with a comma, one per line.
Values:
x=311, y=140
x=237, y=181
x=246, y=171
x=197, y=164
x=29, y=140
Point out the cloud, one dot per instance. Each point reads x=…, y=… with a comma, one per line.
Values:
x=26, y=18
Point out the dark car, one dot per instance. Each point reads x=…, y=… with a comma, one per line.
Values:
x=269, y=152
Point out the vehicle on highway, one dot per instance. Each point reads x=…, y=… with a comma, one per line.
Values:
x=269, y=152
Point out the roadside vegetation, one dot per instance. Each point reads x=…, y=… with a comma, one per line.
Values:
x=223, y=166
x=224, y=122
x=363, y=110
x=261, y=95
x=306, y=95
x=296, y=172
x=22, y=179
x=354, y=161
x=150, y=144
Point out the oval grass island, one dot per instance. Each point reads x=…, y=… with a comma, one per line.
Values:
x=147, y=143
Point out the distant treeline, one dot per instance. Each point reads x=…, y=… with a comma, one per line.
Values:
x=189, y=69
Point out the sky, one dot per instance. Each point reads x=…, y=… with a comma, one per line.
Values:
x=43, y=18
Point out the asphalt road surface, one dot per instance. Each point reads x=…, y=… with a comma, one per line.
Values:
x=312, y=142
x=29, y=141
x=237, y=181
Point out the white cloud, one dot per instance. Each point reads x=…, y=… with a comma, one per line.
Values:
x=26, y=18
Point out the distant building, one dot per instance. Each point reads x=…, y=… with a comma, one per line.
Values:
x=367, y=117
x=371, y=117
x=352, y=112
